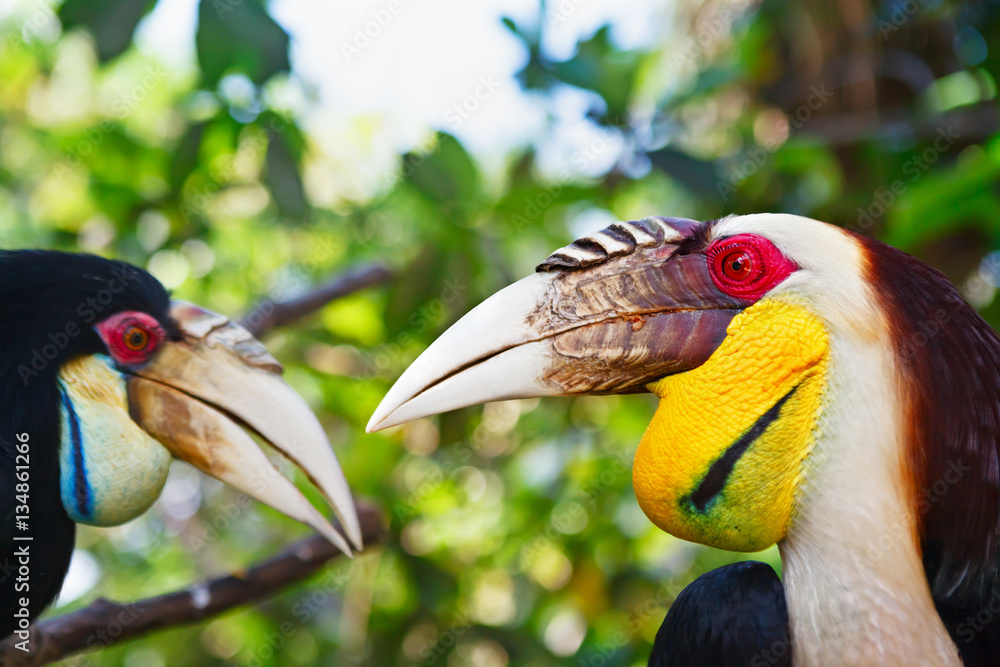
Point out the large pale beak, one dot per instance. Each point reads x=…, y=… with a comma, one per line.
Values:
x=608, y=314
x=198, y=391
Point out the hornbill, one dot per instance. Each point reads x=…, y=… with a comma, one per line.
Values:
x=102, y=381
x=817, y=389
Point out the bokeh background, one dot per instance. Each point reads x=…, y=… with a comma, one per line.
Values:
x=244, y=150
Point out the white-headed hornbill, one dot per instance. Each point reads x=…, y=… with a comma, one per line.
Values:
x=102, y=381
x=817, y=389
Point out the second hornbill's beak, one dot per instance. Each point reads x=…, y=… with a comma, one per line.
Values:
x=198, y=391
x=608, y=314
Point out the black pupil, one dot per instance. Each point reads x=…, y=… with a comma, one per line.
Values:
x=136, y=338
x=739, y=265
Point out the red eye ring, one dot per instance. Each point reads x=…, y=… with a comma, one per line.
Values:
x=131, y=337
x=747, y=266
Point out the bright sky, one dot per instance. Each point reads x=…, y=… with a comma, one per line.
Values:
x=425, y=57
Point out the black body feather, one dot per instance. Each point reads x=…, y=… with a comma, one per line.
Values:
x=734, y=616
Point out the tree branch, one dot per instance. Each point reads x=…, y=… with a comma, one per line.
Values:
x=269, y=314
x=104, y=622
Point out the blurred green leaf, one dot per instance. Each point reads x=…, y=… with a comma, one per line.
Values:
x=599, y=66
x=112, y=22
x=925, y=207
x=284, y=153
x=447, y=175
x=185, y=157
x=239, y=36
x=699, y=175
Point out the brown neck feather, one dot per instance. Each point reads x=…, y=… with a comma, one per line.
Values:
x=949, y=359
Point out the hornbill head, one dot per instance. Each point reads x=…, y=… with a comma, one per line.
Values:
x=716, y=319
x=818, y=389
x=133, y=380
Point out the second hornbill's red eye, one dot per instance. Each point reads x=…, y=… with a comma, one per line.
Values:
x=747, y=266
x=132, y=337
x=737, y=265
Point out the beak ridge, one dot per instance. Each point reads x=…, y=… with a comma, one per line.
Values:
x=596, y=319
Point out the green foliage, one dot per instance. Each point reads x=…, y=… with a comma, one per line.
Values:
x=514, y=526
x=110, y=21
x=238, y=35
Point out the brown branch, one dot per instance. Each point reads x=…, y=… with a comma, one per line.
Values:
x=269, y=314
x=969, y=124
x=103, y=622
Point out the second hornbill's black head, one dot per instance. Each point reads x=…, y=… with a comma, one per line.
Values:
x=107, y=380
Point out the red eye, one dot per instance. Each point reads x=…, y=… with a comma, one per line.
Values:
x=136, y=338
x=747, y=266
x=131, y=337
x=737, y=265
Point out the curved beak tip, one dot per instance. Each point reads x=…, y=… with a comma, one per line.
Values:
x=189, y=394
x=382, y=419
x=373, y=423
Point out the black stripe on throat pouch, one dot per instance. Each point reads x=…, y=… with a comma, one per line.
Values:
x=718, y=473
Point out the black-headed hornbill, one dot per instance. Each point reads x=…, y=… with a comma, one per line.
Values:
x=817, y=389
x=102, y=381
